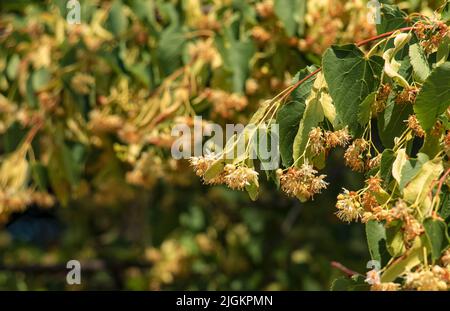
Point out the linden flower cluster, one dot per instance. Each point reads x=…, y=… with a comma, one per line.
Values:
x=320, y=140
x=331, y=21
x=260, y=34
x=238, y=178
x=407, y=96
x=373, y=278
x=385, y=287
x=205, y=51
x=412, y=228
x=225, y=104
x=433, y=278
x=413, y=124
x=430, y=40
x=382, y=96
x=302, y=182
x=349, y=206
x=446, y=143
x=12, y=202
x=446, y=258
x=354, y=155
x=169, y=261
x=201, y=164
x=235, y=177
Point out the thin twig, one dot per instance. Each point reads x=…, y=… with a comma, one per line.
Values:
x=344, y=269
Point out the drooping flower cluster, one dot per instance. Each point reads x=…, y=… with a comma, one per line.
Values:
x=320, y=140
x=235, y=177
x=260, y=34
x=407, y=96
x=238, y=178
x=381, y=98
x=337, y=138
x=413, y=124
x=355, y=157
x=446, y=143
x=331, y=21
x=433, y=278
x=13, y=202
x=431, y=37
x=349, y=206
x=205, y=51
x=385, y=287
x=411, y=227
x=201, y=164
x=225, y=104
x=265, y=8
x=302, y=182
x=316, y=140
x=374, y=279
x=445, y=259
x=369, y=201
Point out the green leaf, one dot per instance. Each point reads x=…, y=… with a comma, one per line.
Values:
x=240, y=55
x=409, y=261
x=236, y=54
x=288, y=118
x=171, y=42
x=443, y=51
x=365, y=109
x=391, y=121
x=215, y=169
x=13, y=137
x=411, y=168
x=387, y=159
x=253, y=191
x=445, y=13
x=354, y=283
x=169, y=50
x=350, y=78
x=312, y=116
x=290, y=114
x=341, y=284
x=398, y=164
x=40, y=79
x=140, y=73
x=419, y=187
x=419, y=62
x=434, y=97
x=431, y=146
x=394, y=239
x=65, y=166
x=39, y=175
x=13, y=67
x=58, y=180
x=319, y=161
x=392, y=18
x=290, y=13
x=391, y=65
x=117, y=21
x=444, y=211
x=376, y=241
x=405, y=169
x=437, y=237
